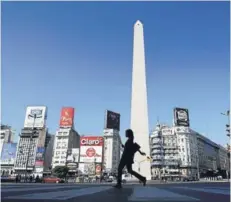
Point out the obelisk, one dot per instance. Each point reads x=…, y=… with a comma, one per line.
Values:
x=139, y=105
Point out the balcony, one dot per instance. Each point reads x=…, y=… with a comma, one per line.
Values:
x=157, y=151
x=156, y=163
x=157, y=157
x=156, y=146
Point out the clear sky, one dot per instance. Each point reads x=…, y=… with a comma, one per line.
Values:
x=79, y=54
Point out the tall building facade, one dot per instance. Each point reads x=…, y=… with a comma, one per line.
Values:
x=31, y=145
x=180, y=152
x=111, y=151
x=188, y=151
x=49, y=144
x=164, y=153
x=139, y=105
x=66, y=138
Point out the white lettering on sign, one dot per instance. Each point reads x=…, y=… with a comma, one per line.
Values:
x=90, y=142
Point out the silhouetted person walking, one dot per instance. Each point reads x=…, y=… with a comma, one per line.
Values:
x=130, y=148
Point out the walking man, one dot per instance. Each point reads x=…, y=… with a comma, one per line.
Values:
x=130, y=148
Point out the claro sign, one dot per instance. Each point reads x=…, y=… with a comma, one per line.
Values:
x=91, y=141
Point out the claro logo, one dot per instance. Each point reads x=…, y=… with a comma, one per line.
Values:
x=86, y=141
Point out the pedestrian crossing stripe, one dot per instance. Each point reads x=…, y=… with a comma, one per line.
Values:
x=212, y=190
x=62, y=195
x=140, y=193
x=152, y=193
x=35, y=188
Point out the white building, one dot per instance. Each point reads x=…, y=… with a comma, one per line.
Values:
x=26, y=157
x=112, y=150
x=65, y=139
x=188, y=151
x=7, y=135
x=164, y=153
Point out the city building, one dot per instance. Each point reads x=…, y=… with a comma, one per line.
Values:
x=7, y=135
x=7, y=150
x=29, y=158
x=208, y=156
x=139, y=105
x=223, y=162
x=65, y=139
x=49, y=144
x=164, y=153
x=31, y=145
x=188, y=151
x=111, y=151
x=8, y=156
x=180, y=152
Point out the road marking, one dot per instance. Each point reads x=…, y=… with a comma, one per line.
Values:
x=36, y=188
x=152, y=193
x=61, y=195
x=207, y=190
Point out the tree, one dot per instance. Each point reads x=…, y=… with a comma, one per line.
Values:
x=61, y=171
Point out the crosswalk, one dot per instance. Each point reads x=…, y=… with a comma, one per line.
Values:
x=62, y=192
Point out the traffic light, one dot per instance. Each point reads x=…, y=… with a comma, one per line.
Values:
x=228, y=129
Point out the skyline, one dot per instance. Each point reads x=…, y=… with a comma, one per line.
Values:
x=86, y=64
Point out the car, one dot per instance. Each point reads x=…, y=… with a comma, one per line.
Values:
x=52, y=179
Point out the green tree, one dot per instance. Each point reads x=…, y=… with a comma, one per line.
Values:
x=61, y=171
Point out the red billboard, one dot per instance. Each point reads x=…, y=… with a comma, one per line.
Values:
x=91, y=141
x=67, y=117
x=91, y=149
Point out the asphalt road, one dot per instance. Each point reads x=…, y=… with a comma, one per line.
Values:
x=204, y=192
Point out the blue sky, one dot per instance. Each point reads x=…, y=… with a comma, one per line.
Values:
x=79, y=54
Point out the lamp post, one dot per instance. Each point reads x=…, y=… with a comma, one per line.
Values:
x=31, y=138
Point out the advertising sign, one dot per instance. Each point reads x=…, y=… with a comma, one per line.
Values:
x=35, y=117
x=98, y=169
x=39, y=163
x=112, y=120
x=181, y=117
x=91, y=149
x=8, y=154
x=40, y=154
x=67, y=117
x=75, y=153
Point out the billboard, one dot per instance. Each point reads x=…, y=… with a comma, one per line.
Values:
x=98, y=169
x=8, y=154
x=39, y=158
x=73, y=155
x=67, y=117
x=41, y=114
x=181, y=117
x=39, y=163
x=91, y=149
x=112, y=120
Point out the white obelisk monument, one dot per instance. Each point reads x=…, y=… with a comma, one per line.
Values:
x=139, y=104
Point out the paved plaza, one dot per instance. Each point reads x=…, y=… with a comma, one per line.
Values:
x=174, y=192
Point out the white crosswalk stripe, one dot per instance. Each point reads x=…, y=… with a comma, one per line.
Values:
x=34, y=188
x=212, y=190
x=63, y=195
x=136, y=193
x=152, y=193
